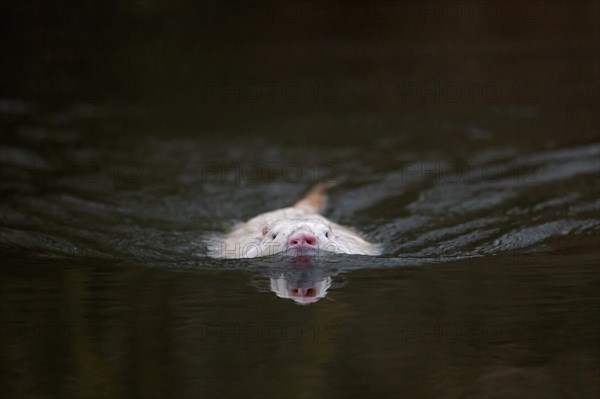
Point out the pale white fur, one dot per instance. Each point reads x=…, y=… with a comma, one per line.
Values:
x=248, y=240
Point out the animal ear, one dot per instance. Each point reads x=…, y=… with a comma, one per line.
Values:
x=329, y=225
x=265, y=229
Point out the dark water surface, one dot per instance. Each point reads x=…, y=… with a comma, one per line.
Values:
x=470, y=148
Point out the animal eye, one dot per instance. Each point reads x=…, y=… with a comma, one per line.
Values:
x=274, y=236
x=327, y=234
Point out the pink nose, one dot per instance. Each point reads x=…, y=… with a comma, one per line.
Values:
x=301, y=239
x=303, y=292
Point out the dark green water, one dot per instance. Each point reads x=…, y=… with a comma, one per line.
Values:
x=468, y=144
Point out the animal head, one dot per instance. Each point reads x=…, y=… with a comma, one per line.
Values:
x=294, y=236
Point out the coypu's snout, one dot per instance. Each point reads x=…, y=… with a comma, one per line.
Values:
x=303, y=292
x=302, y=239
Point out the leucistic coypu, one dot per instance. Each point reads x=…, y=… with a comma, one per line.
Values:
x=296, y=230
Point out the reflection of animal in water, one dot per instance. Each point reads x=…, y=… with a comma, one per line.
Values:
x=300, y=294
x=304, y=284
x=296, y=230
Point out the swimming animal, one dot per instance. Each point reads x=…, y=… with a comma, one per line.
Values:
x=297, y=231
